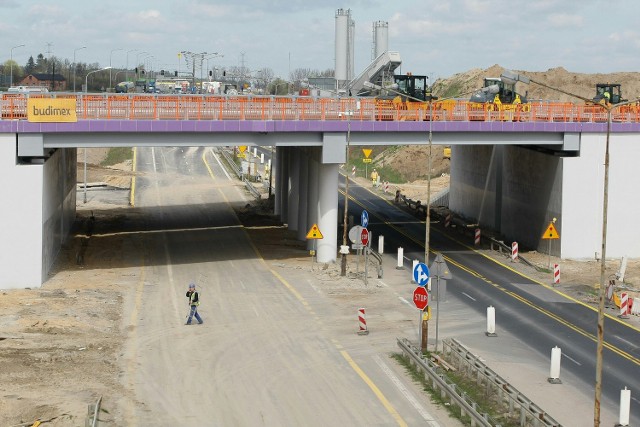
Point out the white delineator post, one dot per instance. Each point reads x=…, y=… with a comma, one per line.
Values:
x=491, y=322
x=625, y=407
x=381, y=244
x=413, y=268
x=400, y=258
x=554, y=372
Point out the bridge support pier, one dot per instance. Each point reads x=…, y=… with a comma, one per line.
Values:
x=328, y=212
x=312, y=190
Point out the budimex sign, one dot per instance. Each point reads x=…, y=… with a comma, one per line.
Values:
x=49, y=110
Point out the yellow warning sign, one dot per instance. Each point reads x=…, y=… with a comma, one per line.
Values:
x=367, y=152
x=551, y=232
x=314, y=233
x=242, y=148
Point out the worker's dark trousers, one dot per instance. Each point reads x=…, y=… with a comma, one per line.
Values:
x=194, y=312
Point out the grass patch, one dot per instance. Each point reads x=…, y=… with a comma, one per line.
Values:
x=117, y=155
x=487, y=402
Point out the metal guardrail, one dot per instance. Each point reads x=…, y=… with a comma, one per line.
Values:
x=446, y=388
x=238, y=171
x=378, y=258
x=517, y=404
x=503, y=246
x=529, y=413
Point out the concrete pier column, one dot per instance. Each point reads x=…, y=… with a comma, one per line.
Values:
x=303, y=193
x=276, y=165
x=294, y=188
x=283, y=184
x=312, y=192
x=328, y=212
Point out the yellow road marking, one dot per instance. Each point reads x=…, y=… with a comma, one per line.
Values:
x=517, y=296
x=132, y=196
x=304, y=302
x=374, y=388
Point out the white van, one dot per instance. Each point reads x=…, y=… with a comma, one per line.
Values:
x=27, y=89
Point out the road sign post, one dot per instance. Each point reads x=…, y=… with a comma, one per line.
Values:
x=421, y=277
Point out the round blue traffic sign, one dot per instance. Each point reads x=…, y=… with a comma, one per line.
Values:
x=364, y=219
x=421, y=274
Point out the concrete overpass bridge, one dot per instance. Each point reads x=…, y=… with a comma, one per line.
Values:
x=512, y=169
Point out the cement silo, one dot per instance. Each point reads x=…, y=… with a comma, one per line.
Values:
x=380, y=39
x=344, y=46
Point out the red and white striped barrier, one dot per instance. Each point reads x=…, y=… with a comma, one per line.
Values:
x=476, y=239
x=624, y=305
x=363, y=322
x=386, y=186
x=353, y=171
x=514, y=251
x=447, y=221
x=556, y=274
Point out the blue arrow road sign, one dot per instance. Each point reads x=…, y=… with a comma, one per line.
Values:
x=364, y=219
x=421, y=274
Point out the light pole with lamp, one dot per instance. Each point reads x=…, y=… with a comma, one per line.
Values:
x=11, y=64
x=515, y=77
x=344, y=249
x=74, y=66
x=138, y=61
x=126, y=76
x=86, y=87
x=110, y=56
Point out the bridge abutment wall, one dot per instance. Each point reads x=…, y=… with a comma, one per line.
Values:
x=517, y=191
x=39, y=209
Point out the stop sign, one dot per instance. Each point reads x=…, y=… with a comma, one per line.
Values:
x=364, y=236
x=421, y=297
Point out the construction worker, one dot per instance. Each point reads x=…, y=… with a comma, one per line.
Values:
x=194, y=302
x=607, y=98
x=374, y=177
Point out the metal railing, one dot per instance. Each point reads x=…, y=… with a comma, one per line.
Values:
x=238, y=171
x=214, y=107
x=515, y=403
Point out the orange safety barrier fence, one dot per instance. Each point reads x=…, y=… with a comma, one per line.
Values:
x=208, y=107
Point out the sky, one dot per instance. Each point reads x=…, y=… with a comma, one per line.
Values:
x=438, y=38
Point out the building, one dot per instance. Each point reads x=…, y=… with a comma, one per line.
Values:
x=45, y=79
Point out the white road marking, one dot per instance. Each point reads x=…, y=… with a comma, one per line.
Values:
x=406, y=393
x=629, y=343
x=383, y=284
x=468, y=296
x=572, y=359
x=215, y=156
x=404, y=301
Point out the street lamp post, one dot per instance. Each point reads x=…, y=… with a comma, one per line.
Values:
x=126, y=75
x=515, y=77
x=344, y=249
x=423, y=323
x=11, y=64
x=110, y=55
x=86, y=87
x=138, y=60
x=74, y=65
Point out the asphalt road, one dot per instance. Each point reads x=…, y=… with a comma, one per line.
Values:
x=537, y=315
x=272, y=350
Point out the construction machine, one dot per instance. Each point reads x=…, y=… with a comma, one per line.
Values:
x=608, y=92
x=497, y=95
